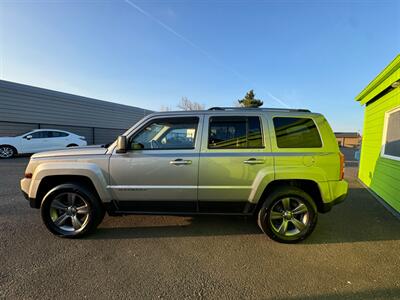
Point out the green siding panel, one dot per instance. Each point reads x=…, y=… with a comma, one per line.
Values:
x=382, y=175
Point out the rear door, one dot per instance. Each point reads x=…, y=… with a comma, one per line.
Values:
x=234, y=152
x=57, y=139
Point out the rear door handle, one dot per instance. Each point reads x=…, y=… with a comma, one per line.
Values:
x=180, y=161
x=253, y=161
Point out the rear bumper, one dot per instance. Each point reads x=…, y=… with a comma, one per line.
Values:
x=326, y=207
x=339, y=191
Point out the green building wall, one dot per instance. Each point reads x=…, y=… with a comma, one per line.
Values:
x=381, y=175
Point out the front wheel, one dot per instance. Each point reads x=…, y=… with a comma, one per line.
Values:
x=288, y=215
x=7, y=151
x=71, y=210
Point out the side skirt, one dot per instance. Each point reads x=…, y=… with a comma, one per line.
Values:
x=178, y=208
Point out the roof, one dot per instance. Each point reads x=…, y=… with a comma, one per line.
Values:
x=48, y=129
x=236, y=110
x=382, y=81
x=347, y=134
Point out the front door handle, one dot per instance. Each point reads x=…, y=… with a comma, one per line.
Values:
x=253, y=161
x=180, y=161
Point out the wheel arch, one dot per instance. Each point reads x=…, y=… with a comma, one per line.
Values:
x=309, y=186
x=11, y=146
x=49, y=175
x=49, y=182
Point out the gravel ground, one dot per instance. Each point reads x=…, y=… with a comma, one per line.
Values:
x=353, y=253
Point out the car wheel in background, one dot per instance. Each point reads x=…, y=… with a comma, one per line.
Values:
x=7, y=151
x=71, y=210
x=288, y=215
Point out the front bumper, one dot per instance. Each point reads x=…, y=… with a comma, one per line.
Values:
x=32, y=201
x=25, y=183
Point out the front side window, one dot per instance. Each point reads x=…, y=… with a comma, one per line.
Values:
x=296, y=133
x=391, y=146
x=235, y=133
x=39, y=134
x=167, y=133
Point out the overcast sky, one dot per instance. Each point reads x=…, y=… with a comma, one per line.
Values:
x=302, y=54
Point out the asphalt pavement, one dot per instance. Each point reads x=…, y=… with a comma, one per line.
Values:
x=354, y=253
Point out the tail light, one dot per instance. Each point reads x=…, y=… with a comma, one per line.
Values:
x=341, y=165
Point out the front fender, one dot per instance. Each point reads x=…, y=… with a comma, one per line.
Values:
x=89, y=170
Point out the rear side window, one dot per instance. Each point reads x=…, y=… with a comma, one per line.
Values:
x=235, y=133
x=58, y=134
x=296, y=133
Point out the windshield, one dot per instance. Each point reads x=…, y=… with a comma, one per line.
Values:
x=23, y=134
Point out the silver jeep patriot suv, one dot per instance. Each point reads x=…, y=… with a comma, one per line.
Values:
x=281, y=165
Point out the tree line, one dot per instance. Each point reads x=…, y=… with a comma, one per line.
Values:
x=249, y=100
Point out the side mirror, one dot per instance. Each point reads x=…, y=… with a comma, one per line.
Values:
x=28, y=137
x=121, y=144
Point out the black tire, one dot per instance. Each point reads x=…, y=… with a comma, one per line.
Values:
x=72, y=145
x=60, y=195
x=7, y=151
x=269, y=219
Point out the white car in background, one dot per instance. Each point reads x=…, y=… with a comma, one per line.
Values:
x=39, y=140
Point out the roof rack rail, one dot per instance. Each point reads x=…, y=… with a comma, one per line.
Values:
x=257, y=108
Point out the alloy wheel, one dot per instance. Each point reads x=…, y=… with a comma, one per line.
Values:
x=6, y=152
x=289, y=216
x=69, y=212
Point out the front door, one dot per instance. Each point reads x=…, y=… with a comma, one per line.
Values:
x=35, y=142
x=160, y=171
x=233, y=155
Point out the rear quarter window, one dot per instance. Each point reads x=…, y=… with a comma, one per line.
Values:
x=296, y=133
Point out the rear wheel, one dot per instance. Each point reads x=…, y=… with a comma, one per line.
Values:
x=7, y=151
x=71, y=210
x=288, y=215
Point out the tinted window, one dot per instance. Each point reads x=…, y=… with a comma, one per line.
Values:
x=168, y=133
x=392, y=142
x=57, y=134
x=234, y=133
x=40, y=134
x=296, y=133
